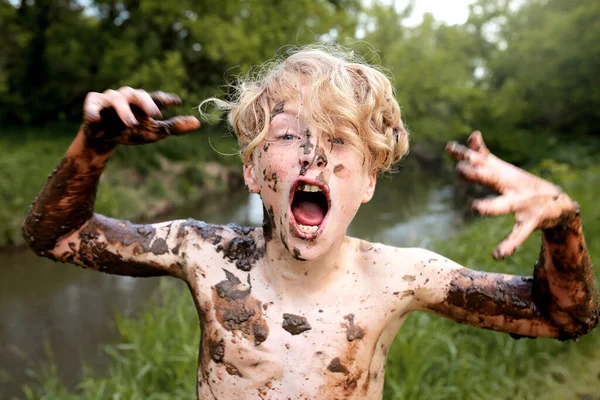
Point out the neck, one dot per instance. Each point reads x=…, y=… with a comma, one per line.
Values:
x=285, y=273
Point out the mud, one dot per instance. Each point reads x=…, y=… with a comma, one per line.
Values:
x=278, y=109
x=271, y=180
x=341, y=172
x=295, y=324
x=217, y=350
x=243, y=251
x=353, y=332
x=323, y=177
x=96, y=255
x=268, y=223
x=297, y=255
x=75, y=190
x=208, y=232
x=336, y=366
x=237, y=311
x=217, y=353
x=307, y=146
x=564, y=258
x=321, y=157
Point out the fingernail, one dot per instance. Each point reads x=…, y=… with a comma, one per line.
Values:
x=132, y=121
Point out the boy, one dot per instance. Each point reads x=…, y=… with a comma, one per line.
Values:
x=297, y=309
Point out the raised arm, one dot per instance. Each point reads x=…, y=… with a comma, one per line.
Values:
x=560, y=300
x=61, y=223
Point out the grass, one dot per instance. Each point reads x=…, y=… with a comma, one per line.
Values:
x=151, y=177
x=431, y=358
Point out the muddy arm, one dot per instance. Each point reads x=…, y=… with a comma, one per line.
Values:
x=61, y=223
x=560, y=300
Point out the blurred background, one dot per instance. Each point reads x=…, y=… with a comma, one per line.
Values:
x=524, y=72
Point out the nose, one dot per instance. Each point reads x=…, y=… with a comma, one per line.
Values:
x=311, y=153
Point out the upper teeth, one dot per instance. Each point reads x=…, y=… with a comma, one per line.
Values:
x=308, y=188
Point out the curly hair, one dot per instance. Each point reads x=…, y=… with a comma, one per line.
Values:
x=342, y=96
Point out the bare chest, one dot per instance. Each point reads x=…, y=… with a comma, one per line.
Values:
x=256, y=340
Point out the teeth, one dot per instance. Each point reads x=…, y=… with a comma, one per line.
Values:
x=308, y=188
x=308, y=229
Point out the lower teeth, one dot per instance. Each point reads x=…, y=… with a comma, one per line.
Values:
x=308, y=229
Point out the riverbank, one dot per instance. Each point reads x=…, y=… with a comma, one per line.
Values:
x=140, y=183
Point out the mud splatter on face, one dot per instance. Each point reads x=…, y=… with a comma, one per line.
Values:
x=297, y=255
x=323, y=177
x=278, y=109
x=321, y=157
x=341, y=172
x=307, y=146
x=295, y=324
x=237, y=311
x=353, y=332
x=271, y=181
x=265, y=147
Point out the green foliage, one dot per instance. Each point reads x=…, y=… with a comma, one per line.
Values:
x=139, y=180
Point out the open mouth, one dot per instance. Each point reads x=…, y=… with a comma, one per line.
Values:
x=310, y=204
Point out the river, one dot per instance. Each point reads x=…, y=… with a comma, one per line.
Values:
x=49, y=308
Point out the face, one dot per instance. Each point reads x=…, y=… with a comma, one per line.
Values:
x=310, y=183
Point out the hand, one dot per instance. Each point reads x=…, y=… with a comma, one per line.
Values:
x=535, y=202
x=126, y=116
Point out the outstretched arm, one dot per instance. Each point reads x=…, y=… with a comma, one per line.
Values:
x=61, y=223
x=560, y=300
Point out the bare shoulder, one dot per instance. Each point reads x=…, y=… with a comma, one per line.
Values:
x=411, y=274
x=392, y=261
x=240, y=245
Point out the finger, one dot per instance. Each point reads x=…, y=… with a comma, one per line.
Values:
x=93, y=104
x=477, y=174
x=475, y=142
x=164, y=100
x=141, y=99
x=500, y=205
x=178, y=125
x=516, y=237
x=120, y=104
x=462, y=153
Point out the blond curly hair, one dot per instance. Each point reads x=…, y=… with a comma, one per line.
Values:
x=342, y=96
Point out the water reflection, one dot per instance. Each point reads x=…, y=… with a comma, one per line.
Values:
x=72, y=310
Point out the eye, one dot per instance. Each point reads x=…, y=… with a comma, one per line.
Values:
x=336, y=140
x=287, y=136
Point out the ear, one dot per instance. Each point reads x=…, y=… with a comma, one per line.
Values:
x=249, y=177
x=371, y=188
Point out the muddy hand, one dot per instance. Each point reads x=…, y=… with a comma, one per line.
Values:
x=535, y=202
x=128, y=116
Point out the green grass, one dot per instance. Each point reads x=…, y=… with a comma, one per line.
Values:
x=431, y=358
x=149, y=177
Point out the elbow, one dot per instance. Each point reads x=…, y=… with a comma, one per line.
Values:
x=39, y=241
x=580, y=324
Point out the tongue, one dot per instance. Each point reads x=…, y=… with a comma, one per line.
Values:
x=308, y=213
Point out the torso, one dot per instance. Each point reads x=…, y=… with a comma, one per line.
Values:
x=260, y=343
